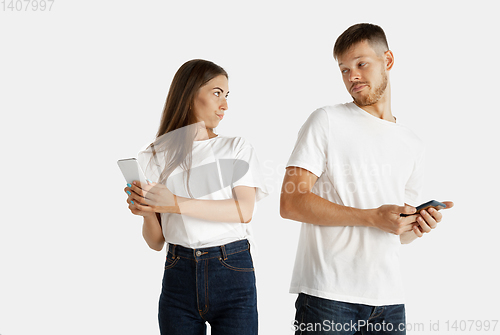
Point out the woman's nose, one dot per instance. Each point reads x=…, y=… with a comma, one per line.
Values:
x=224, y=104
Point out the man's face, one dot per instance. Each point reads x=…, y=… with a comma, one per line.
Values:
x=364, y=73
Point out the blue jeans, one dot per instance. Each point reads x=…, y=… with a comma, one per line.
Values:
x=214, y=285
x=316, y=315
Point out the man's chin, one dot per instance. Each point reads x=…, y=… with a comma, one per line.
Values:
x=362, y=102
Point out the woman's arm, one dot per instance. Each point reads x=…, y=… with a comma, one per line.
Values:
x=238, y=209
x=151, y=227
x=152, y=232
x=158, y=198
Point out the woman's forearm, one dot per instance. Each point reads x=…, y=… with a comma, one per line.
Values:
x=152, y=232
x=229, y=210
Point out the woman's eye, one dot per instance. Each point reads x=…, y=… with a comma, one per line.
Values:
x=217, y=94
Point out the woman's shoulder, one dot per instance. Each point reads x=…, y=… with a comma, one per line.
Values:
x=236, y=142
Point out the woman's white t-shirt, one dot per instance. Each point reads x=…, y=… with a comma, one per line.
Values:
x=363, y=162
x=218, y=165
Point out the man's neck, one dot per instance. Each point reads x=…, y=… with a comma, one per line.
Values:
x=382, y=108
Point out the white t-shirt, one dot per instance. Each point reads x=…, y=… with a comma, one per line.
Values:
x=364, y=162
x=218, y=165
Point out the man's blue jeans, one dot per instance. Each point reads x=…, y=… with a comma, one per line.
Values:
x=214, y=285
x=316, y=315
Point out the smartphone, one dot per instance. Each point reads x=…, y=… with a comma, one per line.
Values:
x=433, y=203
x=131, y=170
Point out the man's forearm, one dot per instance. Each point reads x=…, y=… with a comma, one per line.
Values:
x=311, y=208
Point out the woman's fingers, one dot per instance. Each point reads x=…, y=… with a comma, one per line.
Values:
x=141, y=190
x=143, y=208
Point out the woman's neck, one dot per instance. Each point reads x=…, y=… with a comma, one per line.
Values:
x=205, y=134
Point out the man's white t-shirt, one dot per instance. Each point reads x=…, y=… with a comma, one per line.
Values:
x=218, y=165
x=364, y=162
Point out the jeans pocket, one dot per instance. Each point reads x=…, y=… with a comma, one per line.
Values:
x=170, y=263
x=240, y=261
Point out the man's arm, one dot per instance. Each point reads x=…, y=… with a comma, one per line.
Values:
x=298, y=203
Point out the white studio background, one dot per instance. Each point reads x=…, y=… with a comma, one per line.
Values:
x=84, y=84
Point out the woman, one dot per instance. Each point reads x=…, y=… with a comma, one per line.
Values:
x=207, y=185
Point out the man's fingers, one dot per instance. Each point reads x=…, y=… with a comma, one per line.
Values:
x=429, y=219
x=406, y=209
x=449, y=204
x=423, y=225
x=436, y=215
x=417, y=231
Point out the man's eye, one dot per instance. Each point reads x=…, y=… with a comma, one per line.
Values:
x=344, y=71
x=362, y=64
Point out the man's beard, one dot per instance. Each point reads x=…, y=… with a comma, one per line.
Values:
x=375, y=96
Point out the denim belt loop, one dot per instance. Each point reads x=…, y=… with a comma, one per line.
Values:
x=173, y=251
x=224, y=255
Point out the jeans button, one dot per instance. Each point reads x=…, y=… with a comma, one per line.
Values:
x=198, y=253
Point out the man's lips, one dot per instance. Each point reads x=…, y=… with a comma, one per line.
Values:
x=358, y=88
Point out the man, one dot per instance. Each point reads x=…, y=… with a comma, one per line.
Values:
x=353, y=171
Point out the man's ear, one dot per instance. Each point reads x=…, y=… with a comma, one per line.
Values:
x=388, y=59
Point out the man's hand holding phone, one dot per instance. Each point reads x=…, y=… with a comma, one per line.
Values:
x=401, y=220
x=429, y=216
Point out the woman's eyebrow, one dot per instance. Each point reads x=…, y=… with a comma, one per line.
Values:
x=218, y=88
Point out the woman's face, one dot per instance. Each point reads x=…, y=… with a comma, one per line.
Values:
x=210, y=102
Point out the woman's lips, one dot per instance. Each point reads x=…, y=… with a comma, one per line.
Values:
x=221, y=116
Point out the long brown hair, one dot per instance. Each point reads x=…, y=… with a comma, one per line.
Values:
x=174, y=138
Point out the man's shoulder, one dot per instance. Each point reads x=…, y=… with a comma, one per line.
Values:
x=336, y=107
x=325, y=114
x=337, y=110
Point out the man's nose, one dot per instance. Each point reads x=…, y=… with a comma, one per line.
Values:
x=354, y=75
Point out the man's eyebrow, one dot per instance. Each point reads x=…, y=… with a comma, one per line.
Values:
x=354, y=59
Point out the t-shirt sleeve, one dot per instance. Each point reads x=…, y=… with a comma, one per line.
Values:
x=414, y=185
x=247, y=171
x=310, y=151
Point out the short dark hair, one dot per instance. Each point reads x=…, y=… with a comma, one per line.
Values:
x=358, y=33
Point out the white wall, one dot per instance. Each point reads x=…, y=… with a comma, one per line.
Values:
x=84, y=85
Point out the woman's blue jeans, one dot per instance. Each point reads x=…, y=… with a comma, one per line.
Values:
x=214, y=285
